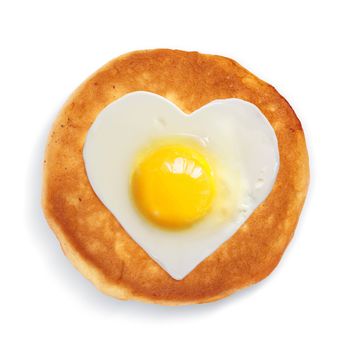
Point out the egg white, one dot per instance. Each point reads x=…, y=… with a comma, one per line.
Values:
x=234, y=131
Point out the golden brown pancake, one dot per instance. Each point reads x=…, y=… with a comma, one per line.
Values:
x=90, y=235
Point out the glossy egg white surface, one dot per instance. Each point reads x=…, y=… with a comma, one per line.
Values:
x=234, y=133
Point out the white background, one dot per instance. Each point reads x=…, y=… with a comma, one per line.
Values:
x=49, y=48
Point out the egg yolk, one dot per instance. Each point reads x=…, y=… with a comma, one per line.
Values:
x=173, y=186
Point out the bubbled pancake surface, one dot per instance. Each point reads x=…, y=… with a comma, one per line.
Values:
x=90, y=235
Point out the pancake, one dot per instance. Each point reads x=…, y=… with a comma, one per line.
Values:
x=90, y=235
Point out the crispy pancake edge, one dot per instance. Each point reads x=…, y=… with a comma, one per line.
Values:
x=93, y=239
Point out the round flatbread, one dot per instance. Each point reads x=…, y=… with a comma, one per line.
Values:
x=90, y=235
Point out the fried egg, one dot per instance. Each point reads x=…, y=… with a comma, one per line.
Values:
x=180, y=184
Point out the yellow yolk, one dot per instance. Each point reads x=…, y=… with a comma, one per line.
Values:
x=173, y=186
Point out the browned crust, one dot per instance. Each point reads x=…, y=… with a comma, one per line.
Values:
x=93, y=239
